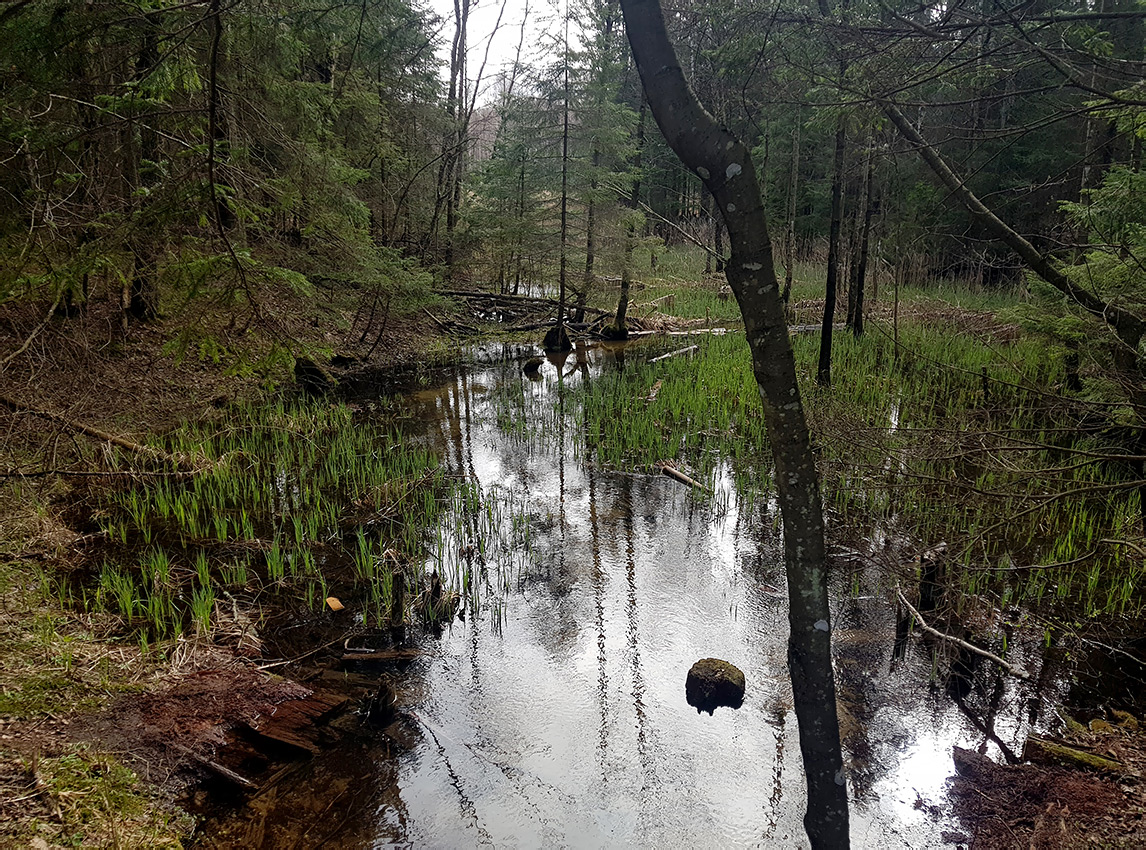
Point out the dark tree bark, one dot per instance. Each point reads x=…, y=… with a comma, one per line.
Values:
x=590, y=239
x=455, y=107
x=725, y=165
x=141, y=149
x=824, y=369
x=709, y=212
x=557, y=339
x=859, y=268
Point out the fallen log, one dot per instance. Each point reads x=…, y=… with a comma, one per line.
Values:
x=512, y=299
x=382, y=655
x=1043, y=751
x=103, y=436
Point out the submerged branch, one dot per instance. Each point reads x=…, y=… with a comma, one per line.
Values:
x=674, y=473
x=959, y=642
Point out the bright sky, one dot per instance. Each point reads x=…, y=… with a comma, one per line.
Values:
x=484, y=31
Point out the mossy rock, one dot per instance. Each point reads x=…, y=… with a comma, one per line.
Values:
x=712, y=683
x=556, y=339
x=1125, y=719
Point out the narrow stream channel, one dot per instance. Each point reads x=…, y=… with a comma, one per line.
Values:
x=554, y=713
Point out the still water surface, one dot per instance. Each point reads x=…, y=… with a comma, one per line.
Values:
x=554, y=713
x=557, y=717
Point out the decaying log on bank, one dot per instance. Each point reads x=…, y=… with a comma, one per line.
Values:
x=1043, y=751
x=181, y=463
x=295, y=722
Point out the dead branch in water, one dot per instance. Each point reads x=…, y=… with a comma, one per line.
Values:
x=673, y=472
x=962, y=644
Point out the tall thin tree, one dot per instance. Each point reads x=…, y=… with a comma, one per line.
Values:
x=725, y=165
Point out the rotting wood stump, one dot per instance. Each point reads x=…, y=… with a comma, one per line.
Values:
x=296, y=722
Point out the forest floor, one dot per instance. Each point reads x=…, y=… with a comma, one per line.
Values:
x=1057, y=805
x=85, y=710
x=99, y=736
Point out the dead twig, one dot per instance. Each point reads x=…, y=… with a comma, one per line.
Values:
x=959, y=642
x=675, y=353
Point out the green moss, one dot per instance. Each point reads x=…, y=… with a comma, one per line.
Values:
x=84, y=798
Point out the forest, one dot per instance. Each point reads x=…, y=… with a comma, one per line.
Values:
x=375, y=390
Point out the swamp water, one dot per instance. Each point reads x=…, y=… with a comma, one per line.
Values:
x=553, y=712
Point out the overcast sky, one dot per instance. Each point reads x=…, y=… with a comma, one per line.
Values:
x=541, y=16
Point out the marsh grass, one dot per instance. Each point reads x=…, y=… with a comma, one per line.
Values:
x=961, y=435
x=290, y=499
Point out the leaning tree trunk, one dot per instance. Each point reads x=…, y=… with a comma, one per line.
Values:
x=725, y=165
x=1127, y=326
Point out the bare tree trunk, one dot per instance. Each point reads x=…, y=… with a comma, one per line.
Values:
x=824, y=370
x=556, y=339
x=590, y=239
x=457, y=158
x=140, y=148
x=859, y=268
x=446, y=165
x=790, y=234
x=620, y=331
x=725, y=165
x=709, y=207
x=564, y=190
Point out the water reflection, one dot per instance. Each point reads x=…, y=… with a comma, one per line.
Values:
x=555, y=713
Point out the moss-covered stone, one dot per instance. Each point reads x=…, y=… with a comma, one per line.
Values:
x=1125, y=719
x=712, y=683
